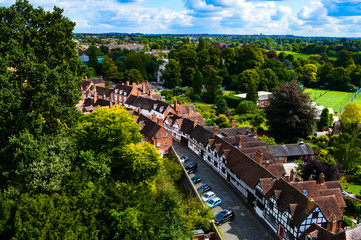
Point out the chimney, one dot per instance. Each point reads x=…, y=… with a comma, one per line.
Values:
x=215, y=130
x=146, y=81
x=160, y=121
x=143, y=88
x=86, y=78
x=259, y=156
x=233, y=123
x=292, y=176
x=195, y=122
x=254, y=132
x=150, y=93
x=333, y=224
x=190, y=111
x=238, y=140
x=321, y=178
x=310, y=204
x=126, y=83
x=154, y=117
x=175, y=105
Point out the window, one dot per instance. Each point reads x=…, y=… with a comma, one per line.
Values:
x=166, y=144
x=158, y=144
x=116, y=98
x=270, y=205
x=315, y=215
x=165, y=134
x=159, y=135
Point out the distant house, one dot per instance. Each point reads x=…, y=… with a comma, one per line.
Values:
x=264, y=98
x=289, y=152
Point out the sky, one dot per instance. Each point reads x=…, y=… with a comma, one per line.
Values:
x=330, y=18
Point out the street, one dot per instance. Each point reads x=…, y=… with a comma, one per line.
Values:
x=245, y=224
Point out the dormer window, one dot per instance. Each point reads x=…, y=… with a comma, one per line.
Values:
x=116, y=91
x=155, y=106
x=120, y=92
x=161, y=109
x=125, y=93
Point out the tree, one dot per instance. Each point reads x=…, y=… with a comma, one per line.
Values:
x=109, y=70
x=344, y=59
x=113, y=127
x=248, y=57
x=197, y=82
x=40, y=71
x=290, y=115
x=351, y=113
x=93, y=60
x=213, y=83
x=221, y=105
x=246, y=107
x=171, y=74
x=133, y=75
x=325, y=119
x=252, y=94
x=246, y=78
x=202, y=44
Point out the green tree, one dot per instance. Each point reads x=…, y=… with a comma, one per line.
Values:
x=290, y=115
x=252, y=94
x=246, y=107
x=221, y=105
x=133, y=75
x=246, y=78
x=93, y=60
x=202, y=44
x=39, y=71
x=212, y=83
x=344, y=59
x=351, y=113
x=171, y=74
x=197, y=82
x=325, y=119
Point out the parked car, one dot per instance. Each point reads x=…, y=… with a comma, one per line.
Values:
x=224, y=216
x=214, y=202
x=184, y=158
x=204, y=188
x=191, y=167
x=196, y=179
x=208, y=196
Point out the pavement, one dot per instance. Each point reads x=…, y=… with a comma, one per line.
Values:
x=246, y=224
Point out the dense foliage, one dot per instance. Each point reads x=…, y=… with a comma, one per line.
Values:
x=64, y=175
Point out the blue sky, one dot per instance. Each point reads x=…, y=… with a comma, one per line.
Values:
x=334, y=18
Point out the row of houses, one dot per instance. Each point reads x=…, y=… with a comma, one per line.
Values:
x=291, y=207
x=294, y=209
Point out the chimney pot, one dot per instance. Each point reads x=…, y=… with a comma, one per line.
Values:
x=126, y=83
x=259, y=156
x=233, y=123
x=321, y=178
x=239, y=140
x=175, y=105
x=292, y=176
x=215, y=130
x=143, y=88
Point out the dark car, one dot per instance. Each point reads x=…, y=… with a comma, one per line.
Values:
x=224, y=216
x=196, y=179
x=191, y=167
x=204, y=188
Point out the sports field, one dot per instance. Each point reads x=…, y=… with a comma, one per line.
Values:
x=331, y=99
x=358, y=99
x=302, y=55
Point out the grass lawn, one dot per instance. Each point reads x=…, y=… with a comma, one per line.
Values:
x=302, y=55
x=358, y=99
x=353, y=186
x=332, y=99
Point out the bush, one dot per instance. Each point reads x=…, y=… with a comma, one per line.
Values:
x=353, y=207
x=347, y=222
x=233, y=101
x=246, y=107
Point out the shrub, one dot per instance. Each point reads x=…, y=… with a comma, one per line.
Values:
x=246, y=107
x=347, y=222
x=233, y=101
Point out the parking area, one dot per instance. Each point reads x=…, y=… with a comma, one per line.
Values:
x=245, y=225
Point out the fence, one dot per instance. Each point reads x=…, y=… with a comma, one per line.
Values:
x=351, y=99
x=191, y=190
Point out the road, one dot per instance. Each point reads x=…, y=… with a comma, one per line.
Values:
x=245, y=224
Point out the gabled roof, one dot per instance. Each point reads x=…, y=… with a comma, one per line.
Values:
x=337, y=193
x=104, y=91
x=187, y=125
x=288, y=150
x=102, y=103
x=184, y=109
x=85, y=85
x=234, y=131
x=123, y=89
x=319, y=233
x=97, y=80
x=149, y=128
x=328, y=205
x=287, y=194
x=277, y=170
x=200, y=134
x=147, y=104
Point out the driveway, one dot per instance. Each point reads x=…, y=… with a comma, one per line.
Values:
x=246, y=224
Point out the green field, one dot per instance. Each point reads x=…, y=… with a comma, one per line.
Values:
x=358, y=99
x=314, y=93
x=302, y=55
x=332, y=99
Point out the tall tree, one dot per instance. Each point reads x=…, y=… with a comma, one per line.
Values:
x=39, y=71
x=252, y=94
x=212, y=83
x=171, y=75
x=197, y=82
x=202, y=44
x=290, y=115
x=93, y=60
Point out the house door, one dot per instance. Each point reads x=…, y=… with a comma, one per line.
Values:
x=281, y=231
